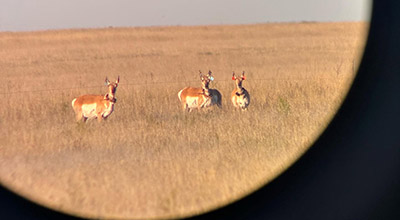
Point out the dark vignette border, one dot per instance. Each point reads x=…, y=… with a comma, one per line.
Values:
x=351, y=172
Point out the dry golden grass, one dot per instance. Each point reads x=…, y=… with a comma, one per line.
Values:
x=149, y=159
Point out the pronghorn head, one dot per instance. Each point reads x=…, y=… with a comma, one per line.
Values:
x=112, y=88
x=238, y=80
x=209, y=75
x=205, y=80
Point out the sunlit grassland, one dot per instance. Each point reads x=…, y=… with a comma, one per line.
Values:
x=151, y=159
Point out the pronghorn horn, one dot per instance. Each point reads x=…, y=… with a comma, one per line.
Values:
x=117, y=80
x=233, y=76
x=106, y=81
x=243, y=77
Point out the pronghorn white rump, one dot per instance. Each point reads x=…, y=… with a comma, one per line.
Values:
x=192, y=98
x=96, y=106
x=240, y=97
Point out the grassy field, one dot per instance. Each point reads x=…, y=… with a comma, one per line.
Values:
x=150, y=159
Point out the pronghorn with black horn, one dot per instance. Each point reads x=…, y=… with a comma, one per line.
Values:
x=216, y=97
x=240, y=97
x=96, y=106
x=191, y=97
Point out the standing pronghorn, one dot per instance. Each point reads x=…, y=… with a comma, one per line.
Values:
x=240, y=97
x=196, y=97
x=96, y=106
x=216, y=97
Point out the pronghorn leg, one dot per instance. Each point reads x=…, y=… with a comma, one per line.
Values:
x=79, y=116
x=189, y=109
x=99, y=117
x=186, y=108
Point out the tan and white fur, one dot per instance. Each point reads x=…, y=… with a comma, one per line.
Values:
x=196, y=98
x=96, y=106
x=240, y=96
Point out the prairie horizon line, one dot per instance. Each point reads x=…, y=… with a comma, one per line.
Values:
x=176, y=26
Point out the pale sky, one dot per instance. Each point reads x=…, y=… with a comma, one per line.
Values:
x=30, y=15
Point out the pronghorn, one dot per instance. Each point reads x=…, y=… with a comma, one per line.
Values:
x=216, y=97
x=96, y=106
x=240, y=97
x=196, y=97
